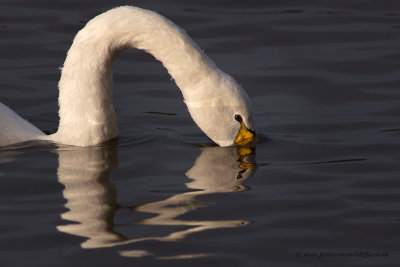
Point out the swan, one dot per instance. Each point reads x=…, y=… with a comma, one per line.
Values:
x=215, y=101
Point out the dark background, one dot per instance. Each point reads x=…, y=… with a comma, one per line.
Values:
x=324, y=80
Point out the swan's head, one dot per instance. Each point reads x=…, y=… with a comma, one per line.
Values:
x=225, y=113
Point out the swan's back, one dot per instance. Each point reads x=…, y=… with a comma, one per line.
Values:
x=14, y=129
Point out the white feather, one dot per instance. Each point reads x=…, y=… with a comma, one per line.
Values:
x=14, y=129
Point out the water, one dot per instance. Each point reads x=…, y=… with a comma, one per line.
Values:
x=324, y=80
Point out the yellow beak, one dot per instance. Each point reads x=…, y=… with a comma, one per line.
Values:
x=245, y=135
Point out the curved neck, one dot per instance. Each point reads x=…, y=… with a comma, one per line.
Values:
x=86, y=108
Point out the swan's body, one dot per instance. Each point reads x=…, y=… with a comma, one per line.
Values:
x=14, y=129
x=87, y=115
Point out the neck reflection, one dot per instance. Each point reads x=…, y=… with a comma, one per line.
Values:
x=91, y=197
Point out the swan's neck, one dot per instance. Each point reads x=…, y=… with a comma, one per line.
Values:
x=86, y=108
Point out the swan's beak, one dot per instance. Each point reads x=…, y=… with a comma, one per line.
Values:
x=245, y=135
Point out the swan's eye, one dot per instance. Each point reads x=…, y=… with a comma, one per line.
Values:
x=238, y=118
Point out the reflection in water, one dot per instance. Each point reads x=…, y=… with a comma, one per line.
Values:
x=91, y=198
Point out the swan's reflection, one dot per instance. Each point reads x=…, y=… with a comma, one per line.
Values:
x=91, y=198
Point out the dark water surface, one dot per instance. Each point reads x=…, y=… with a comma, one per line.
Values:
x=324, y=80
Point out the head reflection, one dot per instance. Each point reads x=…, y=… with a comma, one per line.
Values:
x=91, y=197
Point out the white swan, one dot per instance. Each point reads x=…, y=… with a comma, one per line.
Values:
x=218, y=105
